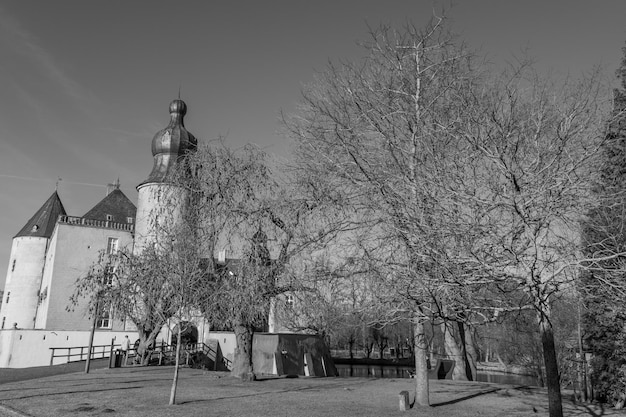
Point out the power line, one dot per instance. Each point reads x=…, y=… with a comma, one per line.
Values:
x=18, y=177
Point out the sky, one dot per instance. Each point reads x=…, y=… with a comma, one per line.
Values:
x=85, y=85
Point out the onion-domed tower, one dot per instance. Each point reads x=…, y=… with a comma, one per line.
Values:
x=158, y=202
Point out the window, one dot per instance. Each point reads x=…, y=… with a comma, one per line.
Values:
x=104, y=318
x=289, y=301
x=109, y=271
x=13, y=265
x=3, y=320
x=112, y=245
x=8, y=295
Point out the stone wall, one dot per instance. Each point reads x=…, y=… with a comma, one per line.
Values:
x=25, y=348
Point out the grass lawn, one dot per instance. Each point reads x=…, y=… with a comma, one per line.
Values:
x=144, y=391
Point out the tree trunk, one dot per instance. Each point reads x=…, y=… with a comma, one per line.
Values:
x=552, y=369
x=421, y=366
x=175, y=381
x=242, y=361
x=454, y=351
x=91, y=335
x=471, y=354
x=381, y=349
x=146, y=339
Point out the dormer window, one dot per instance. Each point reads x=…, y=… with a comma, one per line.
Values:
x=129, y=220
x=109, y=217
x=35, y=228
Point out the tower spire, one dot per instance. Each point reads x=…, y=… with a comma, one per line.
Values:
x=171, y=143
x=43, y=221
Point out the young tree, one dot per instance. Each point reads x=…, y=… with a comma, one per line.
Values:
x=134, y=287
x=150, y=289
x=182, y=262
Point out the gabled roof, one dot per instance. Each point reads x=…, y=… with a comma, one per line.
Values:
x=42, y=223
x=116, y=205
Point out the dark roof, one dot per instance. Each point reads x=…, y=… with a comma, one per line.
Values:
x=169, y=145
x=42, y=223
x=116, y=205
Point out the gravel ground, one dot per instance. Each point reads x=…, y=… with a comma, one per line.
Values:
x=144, y=391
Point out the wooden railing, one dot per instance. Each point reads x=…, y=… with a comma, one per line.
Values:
x=168, y=352
x=79, y=353
x=211, y=354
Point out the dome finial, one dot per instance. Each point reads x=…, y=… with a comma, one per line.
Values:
x=178, y=107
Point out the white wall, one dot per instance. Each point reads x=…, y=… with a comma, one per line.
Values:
x=25, y=348
x=23, y=282
x=73, y=250
x=159, y=208
x=227, y=342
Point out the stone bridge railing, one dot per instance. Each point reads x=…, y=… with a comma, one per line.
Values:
x=105, y=224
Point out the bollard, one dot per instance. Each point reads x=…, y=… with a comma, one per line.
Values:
x=404, y=400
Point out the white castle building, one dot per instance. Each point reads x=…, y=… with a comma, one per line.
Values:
x=54, y=249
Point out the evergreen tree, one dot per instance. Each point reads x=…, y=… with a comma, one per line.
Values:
x=604, y=234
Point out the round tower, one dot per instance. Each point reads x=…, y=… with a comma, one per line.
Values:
x=159, y=203
x=26, y=264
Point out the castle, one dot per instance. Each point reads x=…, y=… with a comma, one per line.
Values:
x=53, y=249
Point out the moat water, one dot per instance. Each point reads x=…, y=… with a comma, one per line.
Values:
x=393, y=371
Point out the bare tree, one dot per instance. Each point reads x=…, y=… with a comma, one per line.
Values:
x=134, y=287
x=374, y=133
x=465, y=186
x=525, y=188
x=256, y=220
x=150, y=289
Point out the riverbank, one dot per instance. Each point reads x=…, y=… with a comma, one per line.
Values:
x=405, y=368
x=144, y=391
x=506, y=369
x=409, y=362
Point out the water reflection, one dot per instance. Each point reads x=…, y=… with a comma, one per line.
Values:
x=393, y=371
x=374, y=371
